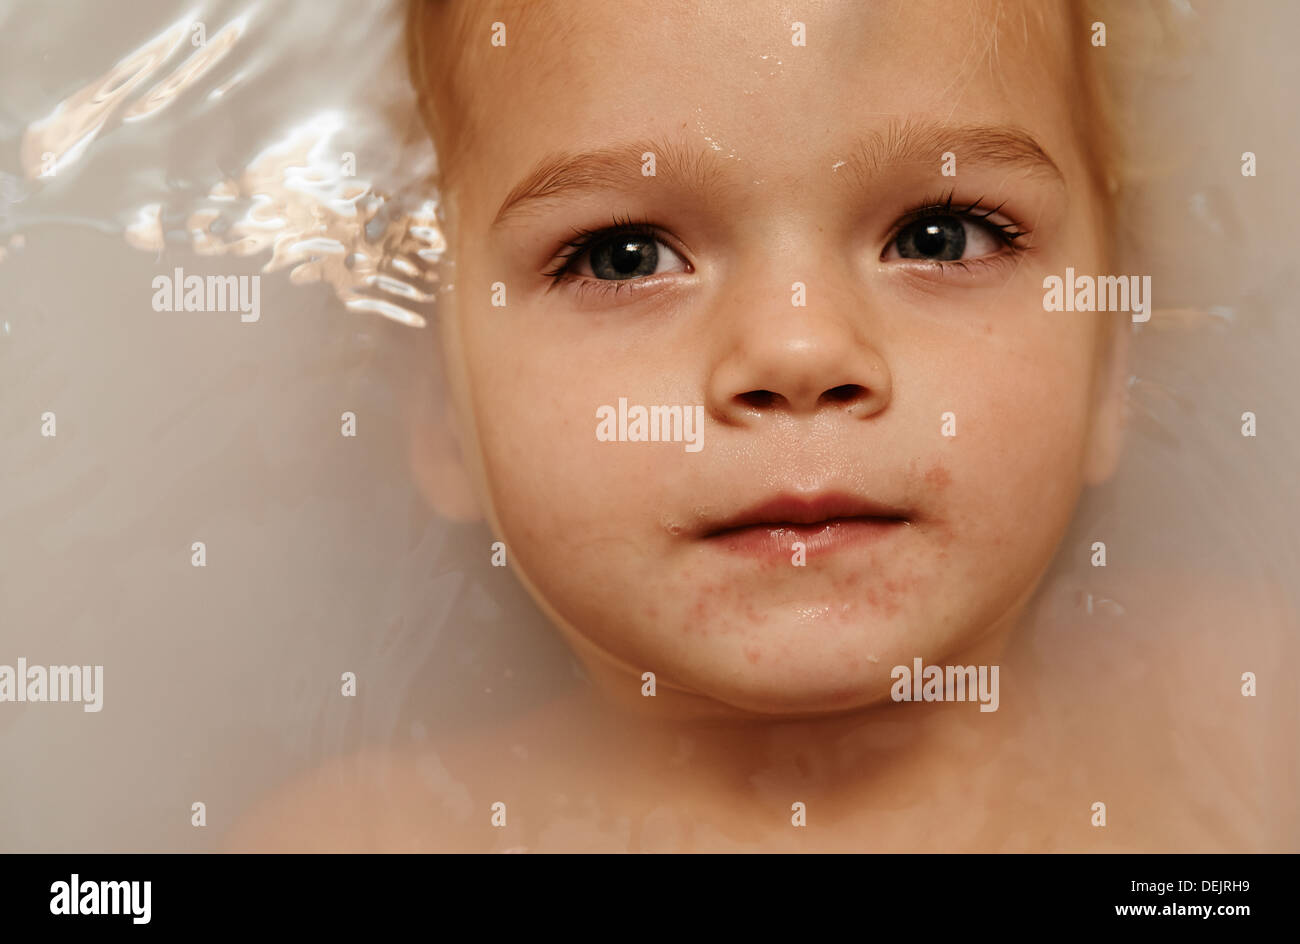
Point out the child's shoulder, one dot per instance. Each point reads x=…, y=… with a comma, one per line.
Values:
x=1177, y=697
x=413, y=798
x=344, y=805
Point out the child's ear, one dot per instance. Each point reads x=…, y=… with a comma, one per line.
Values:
x=437, y=462
x=1109, y=418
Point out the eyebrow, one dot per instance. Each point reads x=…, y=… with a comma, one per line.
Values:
x=617, y=167
x=923, y=142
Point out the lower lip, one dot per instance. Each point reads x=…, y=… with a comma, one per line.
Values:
x=777, y=540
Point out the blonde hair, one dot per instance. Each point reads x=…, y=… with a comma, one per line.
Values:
x=442, y=56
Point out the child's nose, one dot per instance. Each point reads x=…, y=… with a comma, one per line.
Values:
x=779, y=358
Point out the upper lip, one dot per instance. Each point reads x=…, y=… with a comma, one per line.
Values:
x=804, y=509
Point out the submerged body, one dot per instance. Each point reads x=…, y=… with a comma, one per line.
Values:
x=838, y=252
x=1161, y=734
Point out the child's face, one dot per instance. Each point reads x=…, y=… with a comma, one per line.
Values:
x=778, y=164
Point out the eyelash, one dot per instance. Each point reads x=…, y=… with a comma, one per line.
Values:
x=1007, y=233
x=583, y=239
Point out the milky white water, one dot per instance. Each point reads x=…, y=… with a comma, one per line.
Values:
x=127, y=152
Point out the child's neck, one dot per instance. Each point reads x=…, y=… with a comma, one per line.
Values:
x=827, y=757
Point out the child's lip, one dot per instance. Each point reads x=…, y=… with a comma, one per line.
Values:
x=821, y=521
x=777, y=541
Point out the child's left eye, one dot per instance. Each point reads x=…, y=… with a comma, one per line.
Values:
x=944, y=233
x=943, y=239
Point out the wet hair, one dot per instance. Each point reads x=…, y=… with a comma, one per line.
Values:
x=445, y=45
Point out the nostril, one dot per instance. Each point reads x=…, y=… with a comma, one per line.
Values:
x=844, y=393
x=758, y=399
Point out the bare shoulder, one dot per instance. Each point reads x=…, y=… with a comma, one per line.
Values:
x=373, y=801
x=409, y=799
x=1186, y=711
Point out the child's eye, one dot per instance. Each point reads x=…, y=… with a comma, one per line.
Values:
x=942, y=239
x=622, y=256
x=622, y=253
x=940, y=233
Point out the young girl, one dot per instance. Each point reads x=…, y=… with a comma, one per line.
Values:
x=758, y=387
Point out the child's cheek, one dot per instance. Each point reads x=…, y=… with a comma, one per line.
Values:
x=1016, y=461
x=554, y=483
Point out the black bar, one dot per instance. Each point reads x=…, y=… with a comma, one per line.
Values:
x=326, y=893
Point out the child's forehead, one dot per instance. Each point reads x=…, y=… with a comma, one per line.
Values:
x=767, y=77
x=535, y=31
x=720, y=51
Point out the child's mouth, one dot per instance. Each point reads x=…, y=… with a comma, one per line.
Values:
x=793, y=526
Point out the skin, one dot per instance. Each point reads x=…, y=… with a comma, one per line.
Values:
x=773, y=681
x=846, y=393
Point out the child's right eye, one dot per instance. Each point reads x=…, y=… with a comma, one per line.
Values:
x=619, y=256
x=624, y=252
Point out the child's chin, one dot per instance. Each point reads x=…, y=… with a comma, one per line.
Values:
x=789, y=664
x=796, y=690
